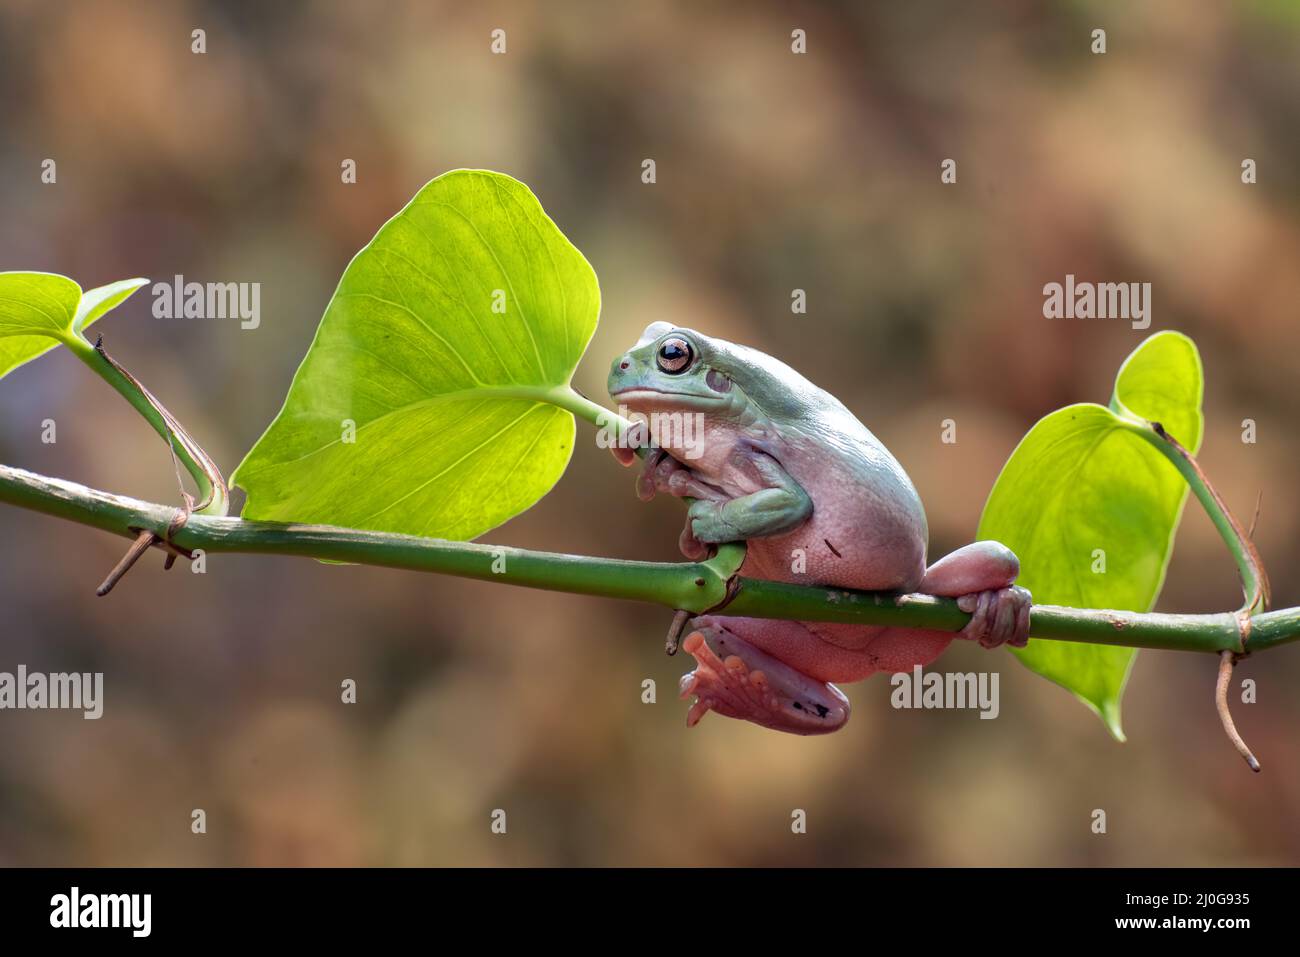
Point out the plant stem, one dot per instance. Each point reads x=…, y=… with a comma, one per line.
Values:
x=214, y=497
x=567, y=397
x=1254, y=580
x=693, y=586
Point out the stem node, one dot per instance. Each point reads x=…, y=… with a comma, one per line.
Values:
x=144, y=540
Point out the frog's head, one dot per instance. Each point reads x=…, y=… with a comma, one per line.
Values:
x=676, y=369
x=677, y=375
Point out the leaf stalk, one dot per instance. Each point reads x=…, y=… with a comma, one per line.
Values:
x=214, y=496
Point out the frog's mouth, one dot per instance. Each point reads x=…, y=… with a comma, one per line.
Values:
x=639, y=396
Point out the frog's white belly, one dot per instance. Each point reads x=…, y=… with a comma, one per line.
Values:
x=868, y=553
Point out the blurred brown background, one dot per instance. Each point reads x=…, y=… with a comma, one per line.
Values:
x=775, y=171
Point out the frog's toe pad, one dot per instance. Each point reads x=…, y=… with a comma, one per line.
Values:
x=728, y=686
x=757, y=688
x=998, y=616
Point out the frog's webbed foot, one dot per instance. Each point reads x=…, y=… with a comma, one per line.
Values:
x=737, y=680
x=981, y=576
x=998, y=616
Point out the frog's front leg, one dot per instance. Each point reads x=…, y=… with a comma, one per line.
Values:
x=738, y=680
x=779, y=505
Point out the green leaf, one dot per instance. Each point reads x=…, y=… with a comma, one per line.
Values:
x=1084, y=488
x=449, y=340
x=39, y=310
x=96, y=302
x=1162, y=382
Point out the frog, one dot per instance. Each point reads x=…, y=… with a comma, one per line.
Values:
x=772, y=460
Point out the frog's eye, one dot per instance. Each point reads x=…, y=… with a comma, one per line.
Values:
x=675, y=355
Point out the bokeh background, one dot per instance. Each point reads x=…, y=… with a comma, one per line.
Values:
x=775, y=172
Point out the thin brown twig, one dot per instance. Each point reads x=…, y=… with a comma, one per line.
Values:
x=1227, y=661
x=138, y=548
x=145, y=539
x=680, y=617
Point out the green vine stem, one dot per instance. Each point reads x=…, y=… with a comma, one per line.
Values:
x=693, y=586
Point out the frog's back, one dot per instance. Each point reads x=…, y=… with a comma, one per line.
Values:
x=868, y=527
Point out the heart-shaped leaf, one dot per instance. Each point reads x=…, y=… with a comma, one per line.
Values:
x=1090, y=507
x=39, y=310
x=426, y=403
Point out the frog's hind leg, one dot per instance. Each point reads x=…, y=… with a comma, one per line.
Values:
x=738, y=680
x=981, y=576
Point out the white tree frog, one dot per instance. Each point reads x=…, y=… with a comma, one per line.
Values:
x=783, y=466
